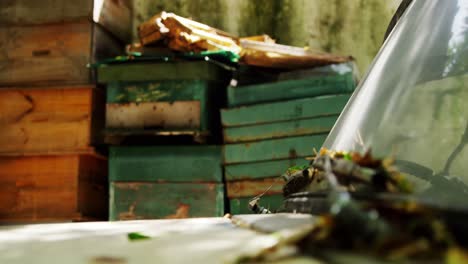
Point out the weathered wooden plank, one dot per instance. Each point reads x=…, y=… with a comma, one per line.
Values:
x=165, y=164
x=130, y=201
x=129, y=72
x=49, y=120
x=260, y=170
x=275, y=149
x=291, y=89
x=284, y=111
x=114, y=15
x=241, y=205
x=50, y=188
x=299, y=127
x=252, y=188
x=163, y=115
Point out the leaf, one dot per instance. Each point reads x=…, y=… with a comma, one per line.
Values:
x=134, y=236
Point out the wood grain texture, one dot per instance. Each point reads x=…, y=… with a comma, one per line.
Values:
x=48, y=120
x=166, y=115
x=46, y=188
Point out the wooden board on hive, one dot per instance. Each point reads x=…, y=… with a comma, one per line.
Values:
x=53, y=188
x=132, y=201
x=50, y=120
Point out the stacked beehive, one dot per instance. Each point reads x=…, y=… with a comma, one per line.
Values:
x=50, y=109
x=272, y=126
x=157, y=115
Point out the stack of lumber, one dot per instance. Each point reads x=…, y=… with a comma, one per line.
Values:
x=274, y=121
x=51, y=112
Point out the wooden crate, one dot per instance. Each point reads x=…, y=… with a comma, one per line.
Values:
x=53, y=188
x=163, y=105
x=130, y=201
x=114, y=15
x=166, y=164
x=53, y=53
x=261, y=170
x=273, y=149
x=50, y=119
x=290, y=89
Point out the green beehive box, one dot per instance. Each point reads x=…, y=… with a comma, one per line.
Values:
x=241, y=205
x=159, y=71
x=132, y=201
x=274, y=149
x=163, y=105
x=260, y=170
x=280, y=129
x=284, y=111
x=165, y=164
x=290, y=89
x=153, y=98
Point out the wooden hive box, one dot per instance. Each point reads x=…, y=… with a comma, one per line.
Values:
x=272, y=149
x=52, y=42
x=282, y=119
x=53, y=188
x=166, y=164
x=145, y=200
x=50, y=119
x=165, y=182
x=290, y=89
x=157, y=98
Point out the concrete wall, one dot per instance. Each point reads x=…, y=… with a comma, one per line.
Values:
x=347, y=27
